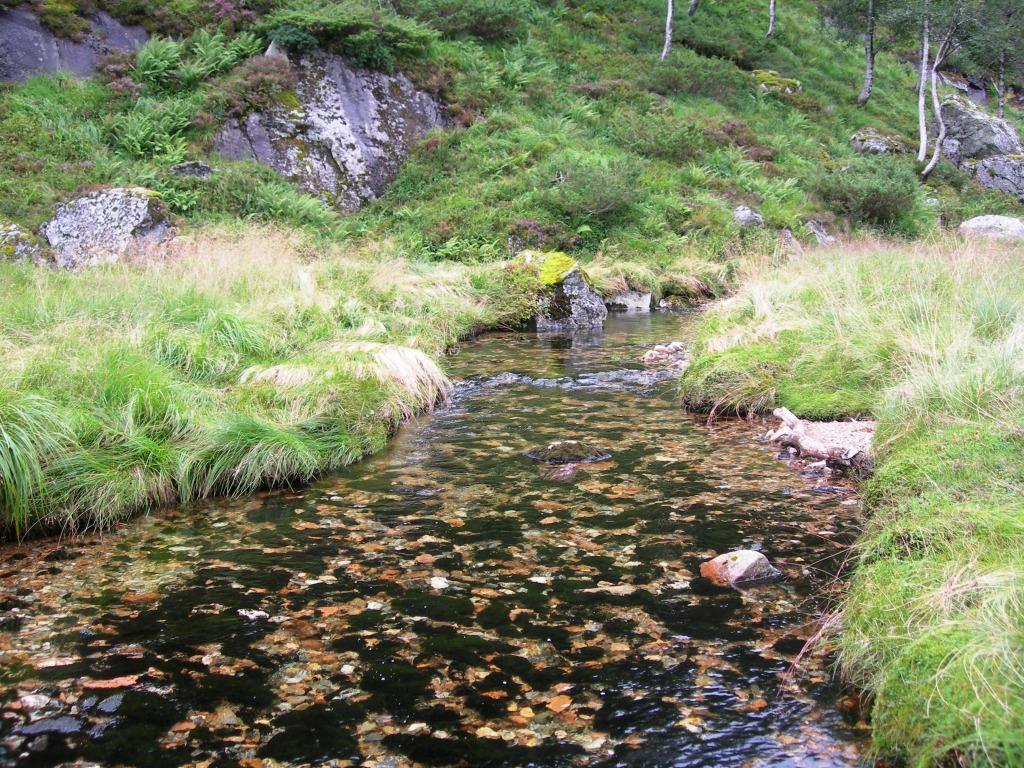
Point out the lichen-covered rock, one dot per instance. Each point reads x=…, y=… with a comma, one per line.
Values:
x=568, y=452
x=974, y=134
x=994, y=227
x=19, y=246
x=745, y=217
x=770, y=81
x=821, y=235
x=348, y=135
x=744, y=566
x=570, y=302
x=191, y=169
x=629, y=301
x=106, y=226
x=28, y=48
x=1003, y=172
x=870, y=141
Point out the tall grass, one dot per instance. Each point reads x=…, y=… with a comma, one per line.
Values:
x=928, y=339
x=238, y=362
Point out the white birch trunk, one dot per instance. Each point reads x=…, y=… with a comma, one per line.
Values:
x=937, y=106
x=693, y=7
x=668, y=31
x=771, y=18
x=1001, y=84
x=922, y=116
x=869, y=56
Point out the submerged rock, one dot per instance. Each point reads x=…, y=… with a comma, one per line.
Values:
x=568, y=452
x=672, y=355
x=744, y=566
x=571, y=303
x=28, y=48
x=106, y=226
x=629, y=301
x=993, y=227
x=345, y=138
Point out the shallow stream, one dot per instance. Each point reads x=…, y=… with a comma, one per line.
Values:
x=452, y=602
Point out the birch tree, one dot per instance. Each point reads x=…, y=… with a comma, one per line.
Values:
x=771, y=18
x=668, y=29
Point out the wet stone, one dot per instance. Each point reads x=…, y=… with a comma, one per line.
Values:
x=568, y=452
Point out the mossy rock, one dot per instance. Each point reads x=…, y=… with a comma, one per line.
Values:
x=555, y=267
x=770, y=81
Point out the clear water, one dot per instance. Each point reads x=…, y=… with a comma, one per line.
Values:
x=450, y=603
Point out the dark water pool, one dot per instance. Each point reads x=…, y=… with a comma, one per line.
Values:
x=447, y=603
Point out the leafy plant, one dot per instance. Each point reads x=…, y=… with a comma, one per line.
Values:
x=877, y=191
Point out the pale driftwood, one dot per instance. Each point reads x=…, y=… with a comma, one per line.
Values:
x=845, y=444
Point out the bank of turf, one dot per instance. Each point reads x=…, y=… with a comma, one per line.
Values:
x=930, y=340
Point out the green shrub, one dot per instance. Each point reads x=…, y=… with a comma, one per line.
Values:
x=877, y=191
x=372, y=38
x=485, y=19
x=257, y=84
x=687, y=73
x=585, y=188
x=292, y=38
x=660, y=135
x=153, y=129
x=61, y=18
x=157, y=62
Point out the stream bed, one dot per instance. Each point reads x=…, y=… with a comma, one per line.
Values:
x=450, y=602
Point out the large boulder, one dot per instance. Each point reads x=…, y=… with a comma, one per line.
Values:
x=107, y=226
x=569, y=302
x=974, y=134
x=870, y=141
x=1003, y=172
x=28, y=48
x=346, y=138
x=994, y=227
x=744, y=566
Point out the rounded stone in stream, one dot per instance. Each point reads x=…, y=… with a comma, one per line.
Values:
x=744, y=566
x=568, y=452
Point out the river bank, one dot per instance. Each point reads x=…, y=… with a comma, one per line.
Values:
x=927, y=339
x=449, y=601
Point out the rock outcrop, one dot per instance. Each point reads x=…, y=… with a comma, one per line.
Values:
x=107, y=226
x=348, y=136
x=985, y=146
x=974, y=134
x=28, y=48
x=744, y=566
x=629, y=301
x=870, y=141
x=994, y=227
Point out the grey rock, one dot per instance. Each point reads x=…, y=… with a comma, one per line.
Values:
x=790, y=245
x=821, y=235
x=573, y=304
x=19, y=246
x=27, y=48
x=745, y=216
x=1003, y=172
x=973, y=134
x=974, y=90
x=349, y=137
x=195, y=169
x=629, y=301
x=106, y=226
x=994, y=227
x=870, y=141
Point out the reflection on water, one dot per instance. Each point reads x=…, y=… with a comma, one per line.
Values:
x=447, y=603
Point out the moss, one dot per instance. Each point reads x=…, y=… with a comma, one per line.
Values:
x=772, y=82
x=555, y=267
x=62, y=19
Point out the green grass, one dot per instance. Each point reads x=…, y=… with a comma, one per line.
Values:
x=929, y=340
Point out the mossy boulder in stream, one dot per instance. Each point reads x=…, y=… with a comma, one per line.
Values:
x=568, y=452
x=569, y=301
